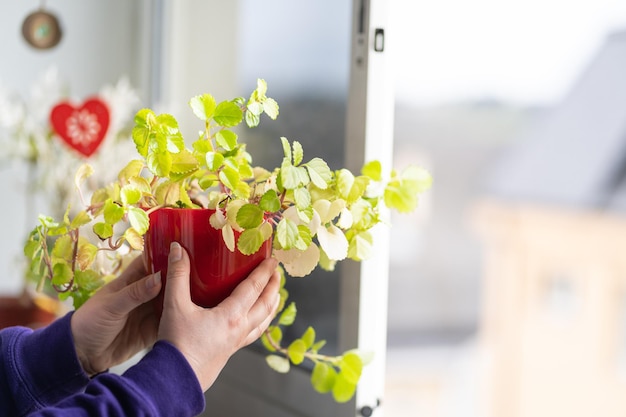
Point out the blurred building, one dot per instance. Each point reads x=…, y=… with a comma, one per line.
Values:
x=554, y=230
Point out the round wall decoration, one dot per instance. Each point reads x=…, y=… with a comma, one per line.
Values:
x=41, y=30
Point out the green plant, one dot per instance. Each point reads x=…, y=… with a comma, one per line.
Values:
x=316, y=216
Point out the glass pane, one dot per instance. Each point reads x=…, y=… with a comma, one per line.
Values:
x=302, y=51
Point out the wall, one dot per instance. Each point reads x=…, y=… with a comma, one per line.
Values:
x=101, y=42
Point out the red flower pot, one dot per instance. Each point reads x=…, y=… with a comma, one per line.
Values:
x=215, y=270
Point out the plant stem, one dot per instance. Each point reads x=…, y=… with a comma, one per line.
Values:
x=315, y=357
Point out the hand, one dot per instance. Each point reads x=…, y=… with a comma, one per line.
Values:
x=117, y=321
x=209, y=337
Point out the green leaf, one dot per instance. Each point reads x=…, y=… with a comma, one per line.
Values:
x=175, y=143
x=144, y=117
x=142, y=131
x=249, y=216
x=351, y=367
x=138, y=220
x=88, y=280
x=345, y=180
x=160, y=163
x=184, y=162
x=113, y=213
x=358, y=188
x=305, y=238
x=167, y=124
x=287, y=233
x=36, y=267
x=343, y=389
x=266, y=230
x=130, y=194
x=270, y=201
x=103, y=230
x=250, y=241
x=252, y=119
x=229, y=177
x=255, y=108
x=227, y=139
x=85, y=255
x=318, y=345
x=298, y=152
x=134, y=239
x=270, y=106
x=288, y=316
x=242, y=191
x=32, y=249
x=289, y=176
x=202, y=146
x=323, y=377
x=167, y=193
x=305, y=214
x=61, y=274
x=63, y=248
x=81, y=219
x=373, y=170
x=84, y=171
x=361, y=246
x=286, y=148
x=275, y=334
x=132, y=169
x=214, y=160
x=228, y=114
x=185, y=200
x=245, y=170
x=203, y=106
x=296, y=351
x=308, y=337
x=319, y=172
x=141, y=184
x=302, y=197
x=278, y=363
x=401, y=193
x=261, y=88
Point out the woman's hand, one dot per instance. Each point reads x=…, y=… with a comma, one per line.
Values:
x=117, y=321
x=208, y=337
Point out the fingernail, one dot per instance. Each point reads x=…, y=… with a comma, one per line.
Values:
x=277, y=299
x=153, y=281
x=175, y=252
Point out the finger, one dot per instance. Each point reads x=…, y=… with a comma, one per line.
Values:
x=177, y=288
x=133, y=272
x=249, y=290
x=136, y=294
x=258, y=331
x=265, y=305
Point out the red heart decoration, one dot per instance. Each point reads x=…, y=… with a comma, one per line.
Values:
x=82, y=128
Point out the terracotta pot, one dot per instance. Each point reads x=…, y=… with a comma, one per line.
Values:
x=215, y=270
x=22, y=311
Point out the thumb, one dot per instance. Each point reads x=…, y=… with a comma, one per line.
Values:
x=177, y=283
x=137, y=293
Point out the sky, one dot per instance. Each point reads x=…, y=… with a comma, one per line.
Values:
x=523, y=51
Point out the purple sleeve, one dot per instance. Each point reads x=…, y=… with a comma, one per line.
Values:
x=161, y=384
x=39, y=367
x=43, y=377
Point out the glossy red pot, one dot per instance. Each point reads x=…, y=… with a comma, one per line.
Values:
x=215, y=270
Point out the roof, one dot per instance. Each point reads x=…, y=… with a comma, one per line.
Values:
x=577, y=154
